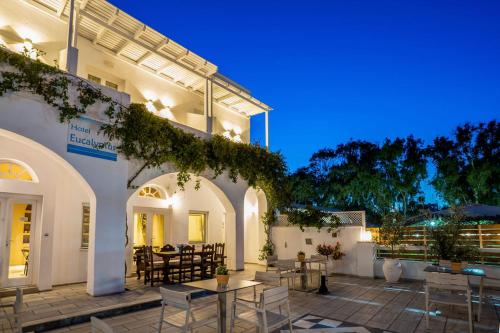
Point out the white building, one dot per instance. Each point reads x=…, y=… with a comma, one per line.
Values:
x=64, y=207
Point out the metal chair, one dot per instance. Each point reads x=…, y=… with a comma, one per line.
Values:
x=188, y=319
x=261, y=315
x=447, y=282
x=271, y=262
x=14, y=318
x=321, y=261
x=99, y=326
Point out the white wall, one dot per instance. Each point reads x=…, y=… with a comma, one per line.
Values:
x=255, y=208
x=288, y=240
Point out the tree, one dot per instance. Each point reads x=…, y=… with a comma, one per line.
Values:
x=468, y=164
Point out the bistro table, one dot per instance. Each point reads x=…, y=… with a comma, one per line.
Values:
x=211, y=285
x=465, y=271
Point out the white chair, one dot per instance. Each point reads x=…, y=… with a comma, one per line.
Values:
x=99, y=326
x=287, y=270
x=188, y=319
x=261, y=315
x=268, y=279
x=439, y=288
x=321, y=261
x=14, y=318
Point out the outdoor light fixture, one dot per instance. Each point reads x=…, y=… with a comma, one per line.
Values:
x=150, y=106
x=366, y=236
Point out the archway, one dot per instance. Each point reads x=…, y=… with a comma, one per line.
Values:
x=255, y=207
x=49, y=207
x=178, y=216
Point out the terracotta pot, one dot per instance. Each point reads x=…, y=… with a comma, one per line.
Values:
x=222, y=279
x=456, y=266
x=301, y=257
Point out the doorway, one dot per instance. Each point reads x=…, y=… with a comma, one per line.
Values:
x=149, y=228
x=17, y=230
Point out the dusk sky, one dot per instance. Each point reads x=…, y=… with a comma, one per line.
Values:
x=335, y=70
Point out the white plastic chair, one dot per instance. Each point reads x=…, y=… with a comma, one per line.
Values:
x=436, y=283
x=99, y=326
x=188, y=319
x=14, y=318
x=261, y=315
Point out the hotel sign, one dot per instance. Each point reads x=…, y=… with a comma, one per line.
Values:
x=84, y=138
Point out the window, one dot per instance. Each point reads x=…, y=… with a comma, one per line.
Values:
x=197, y=228
x=94, y=79
x=85, y=225
x=150, y=192
x=13, y=171
x=111, y=85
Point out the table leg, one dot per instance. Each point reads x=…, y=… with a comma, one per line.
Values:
x=221, y=325
x=303, y=275
x=166, y=262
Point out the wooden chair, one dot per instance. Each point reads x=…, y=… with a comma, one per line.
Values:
x=139, y=260
x=152, y=264
x=219, y=256
x=185, y=268
x=442, y=285
x=271, y=262
x=14, y=318
x=321, y=261
x=287, y=270
x=261, y=315
x=99, y=326
x=204, y=266
x=268, y=279
x=188, y=319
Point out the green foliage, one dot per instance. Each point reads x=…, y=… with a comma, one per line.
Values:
x=221, y=270
x=392, y=231
x=310, y=216
x=468, y=164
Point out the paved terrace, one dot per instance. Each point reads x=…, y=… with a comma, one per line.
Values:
x=368, y=302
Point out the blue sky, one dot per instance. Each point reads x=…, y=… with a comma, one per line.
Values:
x=335, y=70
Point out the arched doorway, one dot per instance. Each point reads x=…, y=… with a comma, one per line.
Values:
x=255, y=207
x=46, y=208
x=160, y=213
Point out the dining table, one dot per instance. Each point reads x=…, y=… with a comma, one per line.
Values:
x=167, y=256
x=469, y=271
x=221, y=291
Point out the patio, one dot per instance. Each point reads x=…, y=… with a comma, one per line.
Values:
x=366, y=302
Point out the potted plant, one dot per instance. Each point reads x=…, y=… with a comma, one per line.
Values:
x=328, y=250
x=463, y=254
x=301, y=256
x=222, y=275
x=391, y=234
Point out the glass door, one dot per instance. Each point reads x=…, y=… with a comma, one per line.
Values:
x=149, y=229
x=18, y=217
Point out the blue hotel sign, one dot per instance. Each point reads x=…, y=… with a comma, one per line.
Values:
x=84, y=138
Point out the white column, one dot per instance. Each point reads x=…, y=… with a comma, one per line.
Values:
x=267, y=130
x=208, y=105
x=365, y=259
x=71, y=50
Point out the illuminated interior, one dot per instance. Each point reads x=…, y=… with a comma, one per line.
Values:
x=13, y=171
x=197, y=228
x=143, y=222
x=20, y=240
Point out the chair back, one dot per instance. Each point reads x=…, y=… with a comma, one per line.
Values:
x=148, y=255
x=177, y=299
x=284, y=265
x=271, y=260
x=219, y=250
x=99, y=326
x=167, y=248
x=447, y=281
x=273, y=297
x=269, y=278
x=186, y=257
x=318, y=258
x=207, y=253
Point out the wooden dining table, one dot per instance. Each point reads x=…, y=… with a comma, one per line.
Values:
x=469, y=271
x=167, y=256
x=221, y=291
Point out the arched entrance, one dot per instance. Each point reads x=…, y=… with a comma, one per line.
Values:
x=160, y=213
x=46, y=208
x=255, y=207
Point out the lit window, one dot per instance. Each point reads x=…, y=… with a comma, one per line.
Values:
x=197, y=229
x=14, y=171
x=150, y=192
x=85, y=225
x=94, y=79
x=111, y=85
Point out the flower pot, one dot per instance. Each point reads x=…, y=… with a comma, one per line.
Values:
x=456, y=266
x=392, y=270
x=222, y=279
x=301, y=257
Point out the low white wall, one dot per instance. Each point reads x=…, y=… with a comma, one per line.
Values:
x=288, y=240
x=414, y=270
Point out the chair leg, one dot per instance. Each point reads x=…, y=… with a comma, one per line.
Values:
x=233, y=315
x=161, y=316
